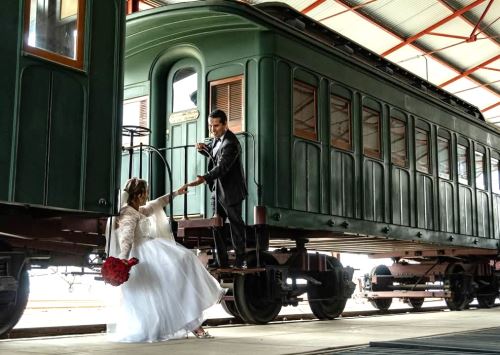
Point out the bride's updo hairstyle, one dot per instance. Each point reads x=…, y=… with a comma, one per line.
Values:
x=135, y=187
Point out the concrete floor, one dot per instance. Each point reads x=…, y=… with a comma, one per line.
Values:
x=276, y=338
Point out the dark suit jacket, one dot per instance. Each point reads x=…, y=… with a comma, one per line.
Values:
x=228, y=170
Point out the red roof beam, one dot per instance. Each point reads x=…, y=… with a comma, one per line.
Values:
x=447, y=35
x=470, y=71
x=450, y=8
x=429, y=29
x=490, y=107
x=473, y=34
x=494, y=69
x=312, y=6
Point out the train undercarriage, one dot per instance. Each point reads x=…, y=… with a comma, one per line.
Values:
x=284, y=268
x=457, y=279
x=281, y=276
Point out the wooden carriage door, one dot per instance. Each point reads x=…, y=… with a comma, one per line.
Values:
x=60, y=107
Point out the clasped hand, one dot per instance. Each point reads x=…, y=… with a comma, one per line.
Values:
x=199, y=180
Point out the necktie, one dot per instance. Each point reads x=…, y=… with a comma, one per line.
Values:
x=215, y=146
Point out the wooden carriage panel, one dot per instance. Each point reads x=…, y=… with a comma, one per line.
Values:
x=466, y=210
x=401, y=197
x=496, y=216
x=446, y=206
x=306, y=160
x=49, y=148
x=342, y=184
x=30, y=163
x=483, y=214
x=373, y=191
x=283, y=162
x=425, y=201
x=9, y=18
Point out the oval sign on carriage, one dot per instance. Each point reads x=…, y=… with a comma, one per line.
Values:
x=184, y=116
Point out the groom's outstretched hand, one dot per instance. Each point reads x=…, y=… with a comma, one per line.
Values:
x=199, y=180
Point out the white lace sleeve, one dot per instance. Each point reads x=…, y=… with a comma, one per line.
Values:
x=152, y=206
x=126, y=230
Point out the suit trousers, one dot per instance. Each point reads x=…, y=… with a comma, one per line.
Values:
x=233, y=213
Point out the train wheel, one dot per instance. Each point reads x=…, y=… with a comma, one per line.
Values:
x=326, y=309
x=487, y=294
x=12, y=312
x=454, y=281
x=251, y=293
x=416, y=303
x=382, y=304
x=230, y=306
x=486, y=301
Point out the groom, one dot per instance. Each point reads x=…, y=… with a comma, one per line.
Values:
x=226, y=180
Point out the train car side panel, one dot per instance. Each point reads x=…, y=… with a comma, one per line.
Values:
x=9, y=17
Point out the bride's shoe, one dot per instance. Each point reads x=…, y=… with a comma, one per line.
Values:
x=202, y=334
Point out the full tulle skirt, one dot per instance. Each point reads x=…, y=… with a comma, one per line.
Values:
x=165, y=295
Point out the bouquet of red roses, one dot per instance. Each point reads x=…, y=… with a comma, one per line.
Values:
x=116, y=271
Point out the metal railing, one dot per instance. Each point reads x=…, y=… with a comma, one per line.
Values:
x=138, y=131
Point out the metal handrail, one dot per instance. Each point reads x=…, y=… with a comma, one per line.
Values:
x=146, y=147
x=159, y=151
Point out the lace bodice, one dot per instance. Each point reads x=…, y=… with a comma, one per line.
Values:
x=134, y=226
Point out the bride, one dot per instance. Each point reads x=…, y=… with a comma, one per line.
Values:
x=170, y=288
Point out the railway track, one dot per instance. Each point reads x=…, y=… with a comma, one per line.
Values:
x=100, y=328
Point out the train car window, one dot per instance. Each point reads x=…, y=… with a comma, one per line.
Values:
x=340, y=122
x=136, y=113
x=463, y=164
x=54, y=30
x=185, y=90
x=304, y=111
x=481, y=182
x=422, y=150
x=227, y=95
x=371, y=133
x=398, y=142
x=495, y=175
x=444, y=158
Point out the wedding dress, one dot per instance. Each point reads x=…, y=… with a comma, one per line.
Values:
x=169, y=289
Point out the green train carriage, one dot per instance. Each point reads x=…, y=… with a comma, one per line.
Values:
x=60, y=137
x=312, y=185
x=344, y=151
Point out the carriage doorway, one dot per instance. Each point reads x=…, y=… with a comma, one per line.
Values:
x=184, y=126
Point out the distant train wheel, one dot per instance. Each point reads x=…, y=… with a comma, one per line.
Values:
x=454, y=281
x=487, y=294
x=382, y=304
x=416, y=303
x=326, y=309
x=251, y=293
x=486, y=301
x=12, y=312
